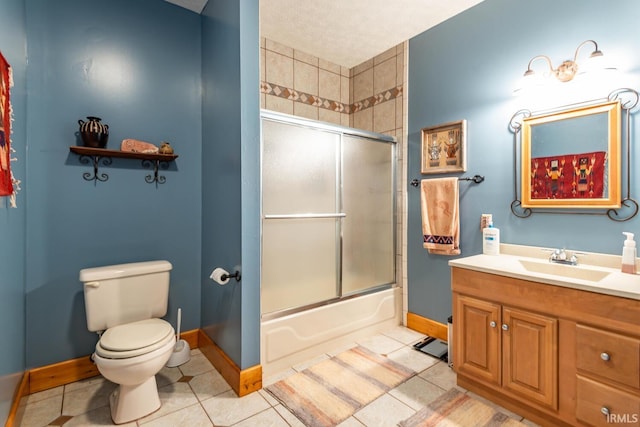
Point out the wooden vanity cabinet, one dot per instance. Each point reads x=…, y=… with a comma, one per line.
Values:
x=508, y=347
x=555, y=355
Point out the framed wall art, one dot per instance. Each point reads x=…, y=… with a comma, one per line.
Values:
x=444, y=148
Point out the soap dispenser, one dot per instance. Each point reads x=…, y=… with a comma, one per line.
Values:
x=491, y=240
x=629, y=254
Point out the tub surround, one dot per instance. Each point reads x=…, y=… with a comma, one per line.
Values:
x=528, y=263
x=289, y=340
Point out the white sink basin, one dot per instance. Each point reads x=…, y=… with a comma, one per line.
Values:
x=566, y=271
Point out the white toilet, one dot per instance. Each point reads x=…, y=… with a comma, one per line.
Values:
x=124, y=304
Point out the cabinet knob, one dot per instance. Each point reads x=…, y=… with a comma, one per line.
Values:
x=605, y=356
x=492, y=324
x=505, y=327
x=605, y=411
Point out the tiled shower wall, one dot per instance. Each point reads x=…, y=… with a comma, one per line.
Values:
x=368, y=96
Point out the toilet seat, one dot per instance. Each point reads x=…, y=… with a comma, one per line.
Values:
x=134, y=339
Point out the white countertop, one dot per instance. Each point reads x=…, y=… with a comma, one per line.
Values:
x=531, y=263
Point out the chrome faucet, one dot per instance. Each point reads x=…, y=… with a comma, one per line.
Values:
x=559, y=256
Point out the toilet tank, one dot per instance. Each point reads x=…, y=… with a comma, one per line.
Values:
x=124, y=293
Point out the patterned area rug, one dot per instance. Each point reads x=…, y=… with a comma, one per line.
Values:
x=457, y=409
x=331, y=391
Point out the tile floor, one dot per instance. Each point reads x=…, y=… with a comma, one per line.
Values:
x=195, y=394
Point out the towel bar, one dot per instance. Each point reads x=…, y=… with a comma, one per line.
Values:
x=476, y=179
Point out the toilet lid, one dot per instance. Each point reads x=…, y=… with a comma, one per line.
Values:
x=134, y=339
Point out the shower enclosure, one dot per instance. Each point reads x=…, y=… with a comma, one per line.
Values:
x=328, y=269
x=328, y=213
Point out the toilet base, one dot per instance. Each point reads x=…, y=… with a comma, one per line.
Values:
x=131, y=402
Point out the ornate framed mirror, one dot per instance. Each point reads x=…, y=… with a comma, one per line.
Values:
x=571, y=158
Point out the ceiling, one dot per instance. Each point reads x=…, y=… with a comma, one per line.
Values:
x=347, y=32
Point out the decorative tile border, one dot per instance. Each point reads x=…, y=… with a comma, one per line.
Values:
x=384, y=96
x=328, y=104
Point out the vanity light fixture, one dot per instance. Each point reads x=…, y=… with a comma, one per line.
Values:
x=568, y=69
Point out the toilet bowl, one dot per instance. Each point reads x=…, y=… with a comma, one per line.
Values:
x=124, y=304
x=133, y=368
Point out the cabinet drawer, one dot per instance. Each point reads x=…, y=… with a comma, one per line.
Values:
x=601, y=405
x=608, y=355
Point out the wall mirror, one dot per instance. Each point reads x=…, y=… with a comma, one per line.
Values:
x=571, y=158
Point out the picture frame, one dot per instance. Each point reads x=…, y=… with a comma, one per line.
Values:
x=444, y=148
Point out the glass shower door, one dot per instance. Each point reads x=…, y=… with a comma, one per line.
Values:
x=368, y=234
x=301, y=216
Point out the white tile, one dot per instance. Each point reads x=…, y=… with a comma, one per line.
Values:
x=441, y=375
x=87, y=398
x=88, y=382
x=173, y=397
x=404, y=335
x=268, y=418
x=227, y=408
x=268, y=397
x=350, y=422
x=192, y=416
x=416, y=393
x=383, y=412
x=208, y=385
x=42, y=412
x=291, y=419
x=97, y=417
x=381, y=344
x=168, y=376
x=42, y=395
x=412, y=359
x=198, y=364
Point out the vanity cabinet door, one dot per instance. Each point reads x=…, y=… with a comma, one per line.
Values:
x=530, y=355
x=477, y=338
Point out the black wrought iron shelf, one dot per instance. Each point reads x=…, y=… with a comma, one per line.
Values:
x=95, y=156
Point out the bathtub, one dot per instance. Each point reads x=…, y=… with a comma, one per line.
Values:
x=296, y=338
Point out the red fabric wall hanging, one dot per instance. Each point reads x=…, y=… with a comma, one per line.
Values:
x=569, y=176
x=6, y=183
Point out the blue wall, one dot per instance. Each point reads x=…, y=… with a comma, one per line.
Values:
x=467, y=68
x=230, y=176
x=12, y=221
x=137, y=65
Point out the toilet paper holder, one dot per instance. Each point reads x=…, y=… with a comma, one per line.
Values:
x=235, y=275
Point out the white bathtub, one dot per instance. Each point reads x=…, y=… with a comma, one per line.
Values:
x=289, y=340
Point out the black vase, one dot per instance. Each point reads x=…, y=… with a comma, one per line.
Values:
x=95, y=134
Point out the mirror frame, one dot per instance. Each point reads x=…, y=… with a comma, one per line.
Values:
x=612, y=176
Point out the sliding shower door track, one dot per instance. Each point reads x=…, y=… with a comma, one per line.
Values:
x=307, y=215
x=294, y=310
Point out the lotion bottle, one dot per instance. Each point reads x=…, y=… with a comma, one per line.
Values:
x=491, y=240
x=629, y=254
